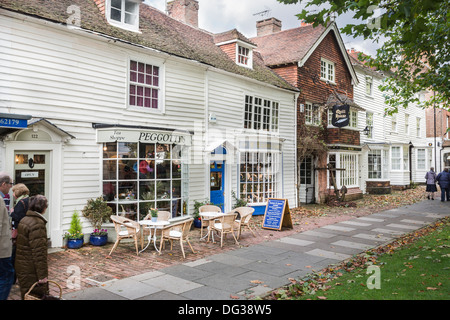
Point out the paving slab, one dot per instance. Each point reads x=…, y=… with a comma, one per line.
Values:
x=172, y=284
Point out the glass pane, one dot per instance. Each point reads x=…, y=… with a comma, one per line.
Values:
x=109, y=150
x=21, y=158
x=127, y=170
x=147, y=190
x=127, y=190
x=163, y=189
x=109, y=170
x=163, y=205
x=147, y=151
x=127, y=150
x=163, y=169
x=109, y=191
x=128, y=210
x=162, y=151
x=115, y=14
x=147, y=169
x=216, y=181
x=176, y=188
x=176, y=169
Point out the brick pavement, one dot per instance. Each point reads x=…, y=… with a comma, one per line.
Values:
x=97, y=266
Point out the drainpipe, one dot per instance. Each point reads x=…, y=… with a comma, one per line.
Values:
x=411, y=146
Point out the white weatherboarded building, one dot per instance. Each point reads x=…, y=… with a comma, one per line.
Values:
x=394, y=148
x=147, y=112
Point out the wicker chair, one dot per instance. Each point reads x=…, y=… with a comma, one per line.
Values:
x=224, y=226
x=207, y=222
x=243, y=221
x=178, y=231
x=132, y=231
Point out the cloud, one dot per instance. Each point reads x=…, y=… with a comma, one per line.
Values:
x=218, y=16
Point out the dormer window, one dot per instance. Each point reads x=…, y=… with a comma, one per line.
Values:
x=244, y=56
x=124, y=14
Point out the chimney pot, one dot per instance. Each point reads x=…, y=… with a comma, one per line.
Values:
x=268, y=26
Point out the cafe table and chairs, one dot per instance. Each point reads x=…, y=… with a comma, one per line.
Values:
x=149, y=224
x=205, y=221
x=211, y=217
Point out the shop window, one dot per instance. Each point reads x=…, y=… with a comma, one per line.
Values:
x=349, y=163
x=144, y=85
x=259, y=173
x=140, y=176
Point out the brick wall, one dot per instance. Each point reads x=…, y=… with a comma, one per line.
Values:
x=343, y=136
x=101, y=5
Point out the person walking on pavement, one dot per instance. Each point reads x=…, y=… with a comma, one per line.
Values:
x=443, y=180
x=31, y=255
x=6, y=266
x=430, y=177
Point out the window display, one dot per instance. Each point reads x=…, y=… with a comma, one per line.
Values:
x=259, y=176
x=140, y=176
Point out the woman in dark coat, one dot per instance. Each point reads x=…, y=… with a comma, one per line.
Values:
x=31, y=255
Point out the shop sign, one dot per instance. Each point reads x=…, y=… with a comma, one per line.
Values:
x=341, y=116
x=163, y=137
x=13, y=123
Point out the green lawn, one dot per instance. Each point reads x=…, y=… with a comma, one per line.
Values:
x=415, y=268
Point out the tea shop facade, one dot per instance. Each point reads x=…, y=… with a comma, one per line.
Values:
x=202, y=130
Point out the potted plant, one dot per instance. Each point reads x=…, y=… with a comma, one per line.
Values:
x=97, y=212
x=154, y=213
x=197, y=218
x=75, y=236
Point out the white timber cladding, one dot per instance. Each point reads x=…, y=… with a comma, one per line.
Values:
x=75, y=80
x=383, y=138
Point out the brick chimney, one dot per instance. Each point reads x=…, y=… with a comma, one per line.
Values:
x=185, y=11
x=268, y=26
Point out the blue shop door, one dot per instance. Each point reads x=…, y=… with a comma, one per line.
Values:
x=217, y=183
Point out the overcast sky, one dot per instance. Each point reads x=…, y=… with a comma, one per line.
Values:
x=222, y=15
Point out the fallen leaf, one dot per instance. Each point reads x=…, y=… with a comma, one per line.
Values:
x=256, y=281
x=431, y=288
x=234, y=297
x=322, y=298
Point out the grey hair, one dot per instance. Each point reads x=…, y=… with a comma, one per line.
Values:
x=4, y=178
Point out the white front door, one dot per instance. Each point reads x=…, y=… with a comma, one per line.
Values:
x=307, y=180
x=32, y=168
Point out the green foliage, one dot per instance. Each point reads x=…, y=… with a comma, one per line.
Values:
x=414, y=36
x=76, y=229
x=238, y=202
x=97, y=212
x=197, y=205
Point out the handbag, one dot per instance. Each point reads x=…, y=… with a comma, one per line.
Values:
x=47, y=296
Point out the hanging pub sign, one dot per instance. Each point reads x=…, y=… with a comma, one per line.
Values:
x=341, y=115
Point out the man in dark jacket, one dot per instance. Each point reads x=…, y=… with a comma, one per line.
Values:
x=443, y=180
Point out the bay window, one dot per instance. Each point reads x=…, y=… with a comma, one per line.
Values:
x=139, y=176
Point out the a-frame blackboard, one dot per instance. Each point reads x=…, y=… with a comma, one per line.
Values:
x=277, y=214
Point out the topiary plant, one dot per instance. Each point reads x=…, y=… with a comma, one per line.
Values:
x=97, y=212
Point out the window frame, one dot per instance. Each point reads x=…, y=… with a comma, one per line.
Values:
x=369, y=124
x=248, y=57
x=325, y=70
x=424, y=159
x=315, y=115
x=160, y=87
x=261, y=114
x=369, y=86
x=122, y=24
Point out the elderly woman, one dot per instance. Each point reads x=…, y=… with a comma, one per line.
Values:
x=430, y=178
x=31, y=255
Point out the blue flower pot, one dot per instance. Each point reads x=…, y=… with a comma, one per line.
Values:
x=197, y=223
x=98, y=240
x=75, y=243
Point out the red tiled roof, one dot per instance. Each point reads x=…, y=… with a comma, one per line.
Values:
x=158, y=31
x=289, y=46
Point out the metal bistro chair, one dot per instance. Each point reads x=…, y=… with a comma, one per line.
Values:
x=207, y=222
x=132, y=231
x=178, y=231
x=243, y=221
x=224, y=226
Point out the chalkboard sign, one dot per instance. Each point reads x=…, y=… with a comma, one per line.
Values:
x=277, y=214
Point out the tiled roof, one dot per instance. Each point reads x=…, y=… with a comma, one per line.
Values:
x=231, y=35
x=289, y=46
x=158, y=31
